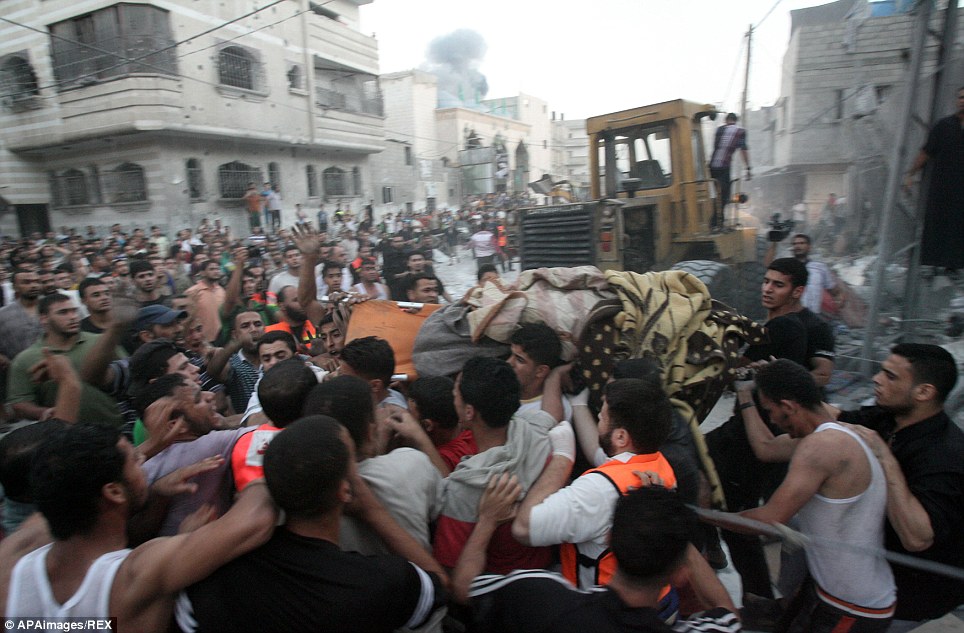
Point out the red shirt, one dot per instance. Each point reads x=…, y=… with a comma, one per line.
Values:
x=462, y=446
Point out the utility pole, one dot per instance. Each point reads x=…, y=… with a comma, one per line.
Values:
x=746, y=74
x=892, y=204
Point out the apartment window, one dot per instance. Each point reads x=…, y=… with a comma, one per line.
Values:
x=127, y=184
x=296, y=77
x=312, y=176
x=334, y=182
x=388, y=195
x=239, y=67
x=195, y=179
x=75, y=188
x=18, y=82
x=233, y=178
x=356, y=181
x=101, y=45
x=408, y=155
x=96, y=196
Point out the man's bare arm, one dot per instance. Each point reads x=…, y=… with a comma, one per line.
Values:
x=811, y=465
x=163, y=566
x=766, y=446
x=906, y=514
x=821, y=369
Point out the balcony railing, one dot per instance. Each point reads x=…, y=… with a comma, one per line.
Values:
x=335, y=100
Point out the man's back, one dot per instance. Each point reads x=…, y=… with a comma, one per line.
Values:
x=295, y=583
x=542, y=601
x=849, y=507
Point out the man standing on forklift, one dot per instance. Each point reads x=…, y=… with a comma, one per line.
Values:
x=729, y=138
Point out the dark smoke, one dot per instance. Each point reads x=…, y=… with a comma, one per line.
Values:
x=454, y=58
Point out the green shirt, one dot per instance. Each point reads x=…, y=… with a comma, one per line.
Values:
x=95, y=405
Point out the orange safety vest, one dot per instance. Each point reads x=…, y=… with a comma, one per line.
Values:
x=621, y=475
x=247, y=457
x=503, y=240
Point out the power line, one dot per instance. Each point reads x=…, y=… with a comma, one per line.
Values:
x=775, y=5
x=736, y=66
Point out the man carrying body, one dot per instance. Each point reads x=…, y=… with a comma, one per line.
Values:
x=651, y=535
x=838, y=492
x=536, y=351
x=487, y=399
x=300, y=580
x=87, y=481
x=922, y=454
x=635, y=420
x=372, y=359
x=173, y=401
x=728, y=139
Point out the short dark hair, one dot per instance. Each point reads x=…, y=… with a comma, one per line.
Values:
x=371, y=357
x=792, y=267
x=348, y=399
x=642, y=409
x=68, y=472
x=433, y=396
x=485, y=268
x=330, y=265
x=412, y=281
x=651, y=531
x=282, y=390
x=17, y=450
x=140, y=265
x=540, y=342
x=491, y=386
x=278, y=335
x=732, y=117
x=288, y=248
x=153, y=391
x=305, y=464
x=802, y=236
x=87, y=283
x=150, y=360
x=48, y=301
x=930, y=364
x=784, y=379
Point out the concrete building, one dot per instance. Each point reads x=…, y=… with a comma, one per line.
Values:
x=570, y=153
x=831, y=130
x=436, y=129
x=161, y=112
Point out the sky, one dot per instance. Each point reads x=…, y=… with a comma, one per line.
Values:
x=597, y=56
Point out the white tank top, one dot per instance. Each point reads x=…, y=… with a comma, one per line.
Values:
x=30, y=594
x=856, y=577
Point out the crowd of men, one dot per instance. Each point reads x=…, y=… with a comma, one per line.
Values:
x=168, y=396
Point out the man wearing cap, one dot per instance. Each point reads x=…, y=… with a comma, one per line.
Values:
x=154, y=322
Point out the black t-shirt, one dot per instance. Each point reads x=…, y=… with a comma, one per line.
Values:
x=820, y=341
x=931, y=456
x=294, y=583
x=535, y=601
x=787, y=339
x=86, y=325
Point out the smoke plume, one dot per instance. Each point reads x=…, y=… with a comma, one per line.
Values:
x=454, y=58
